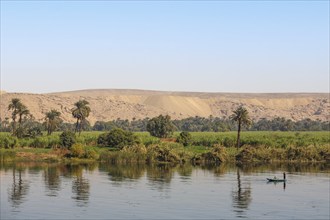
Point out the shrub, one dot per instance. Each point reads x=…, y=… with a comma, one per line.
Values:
x=217, y=155
x=67, y=139
x=91, y=153
x=162, y=153
x=229, y=142
x=185, y=138
x=8, y=142
x=160, y=126
x=40, y=142
x=77, y=150
x=117, y=138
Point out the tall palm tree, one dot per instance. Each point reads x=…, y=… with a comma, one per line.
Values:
x=241, y=116
x=52, y=120
x=22, y=111
x=80, y=112
x=14, y=106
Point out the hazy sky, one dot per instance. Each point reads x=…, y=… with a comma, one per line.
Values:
x=212, y=46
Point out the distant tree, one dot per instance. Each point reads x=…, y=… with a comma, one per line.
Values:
x=241, y=116
x=14, y=106
x=67, y=139
x=185, y=138
x=23, y=111
x=52, y=121
x=160, y=126
x=4, y=125
x=80, y=112
x=117, y=138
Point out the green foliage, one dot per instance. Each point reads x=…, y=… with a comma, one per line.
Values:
x=67, y=139
x=91, y=153
x=77, y=150
x=39, y=142
x=162, y=153
x=160, y=126
x=185, y=138
x=81, y=112
x=8, y=142
x=117, y=138
x=52, y=121
x=216, y=155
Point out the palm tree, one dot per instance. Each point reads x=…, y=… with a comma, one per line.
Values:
x=22, y=111
x=241, y=116
x=14, y=105
x=80, y=112
x=53, y=120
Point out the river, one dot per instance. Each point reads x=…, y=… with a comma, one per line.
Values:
x=103, y=191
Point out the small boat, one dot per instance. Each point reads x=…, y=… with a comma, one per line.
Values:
x=277, y=180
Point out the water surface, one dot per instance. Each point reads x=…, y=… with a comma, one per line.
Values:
x=101, y=191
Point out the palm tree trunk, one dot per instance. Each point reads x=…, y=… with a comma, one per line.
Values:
x=77, y=125
x=238, y=135
x=14, y=127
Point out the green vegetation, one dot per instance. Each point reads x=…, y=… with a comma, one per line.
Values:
x=52, y=121
x=81, y=112
x=205, y=147
x=184, y=138
x=241, y=116
x=160, y=126
x=67, y=139
x=160, y=145
x=117, y=138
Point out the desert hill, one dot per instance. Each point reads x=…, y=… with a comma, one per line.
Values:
x=109, y=104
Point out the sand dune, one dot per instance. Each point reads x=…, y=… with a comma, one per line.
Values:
x=109, y=104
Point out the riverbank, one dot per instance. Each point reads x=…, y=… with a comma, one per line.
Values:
x=204, y=148
x=173, y=154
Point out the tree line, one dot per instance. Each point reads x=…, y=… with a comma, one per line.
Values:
x=23, y=124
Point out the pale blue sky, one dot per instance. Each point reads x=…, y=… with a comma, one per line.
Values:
x=212, y=46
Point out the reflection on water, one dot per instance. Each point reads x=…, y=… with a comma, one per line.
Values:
x=163, y=182
x=80, y=189
x=241, y=196
x=52, y=180
x=118, y=174
x=19, y=188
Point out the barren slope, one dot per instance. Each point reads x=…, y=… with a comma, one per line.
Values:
x=127, y=104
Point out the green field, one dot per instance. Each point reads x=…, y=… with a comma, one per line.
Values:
x=261, y=146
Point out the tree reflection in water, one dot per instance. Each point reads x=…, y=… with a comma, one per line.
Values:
x=159, y=177
x=80, y=185
x=52, y=180
x=241, y=197
x=119, y=174
x=19, y=188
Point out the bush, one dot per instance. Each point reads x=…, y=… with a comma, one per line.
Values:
x=77, y=150
x=8, y=142
x=185, y=138
x=162, y=153
x=117, y=138
x=67, y=139
x=160, y=126
x=40, y=142
x=217, y=155
x=91, y=153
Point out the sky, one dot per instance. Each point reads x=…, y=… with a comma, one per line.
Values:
x=202, y=46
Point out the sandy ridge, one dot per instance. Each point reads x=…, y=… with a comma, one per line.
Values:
x=109, y=104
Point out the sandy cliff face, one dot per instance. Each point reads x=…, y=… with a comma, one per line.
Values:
x=127, y=104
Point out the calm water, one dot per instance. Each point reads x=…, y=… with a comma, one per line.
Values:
x=99, y=191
